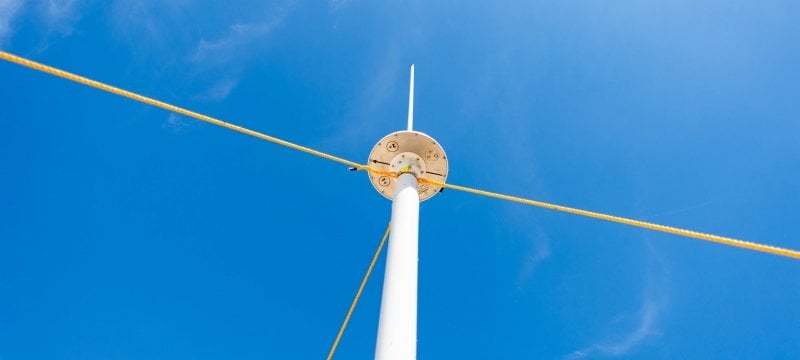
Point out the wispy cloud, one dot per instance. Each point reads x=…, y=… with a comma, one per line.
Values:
x=228, y=55
x=681, y=210
x=58, y=19
x=150, y=26
x=162, y=32
x=535, y=247
x=176, y=123
x=229, y=47
x=539, y=250
x=59, y=16
x=9, y=10
x=364, y=120
x=648, y=315
x=336, y=5
x=51, y=17
x=646, y=318
x=219, y=91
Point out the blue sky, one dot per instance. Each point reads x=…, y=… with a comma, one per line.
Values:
x=131, y=233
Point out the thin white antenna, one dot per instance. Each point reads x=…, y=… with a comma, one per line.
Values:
x=411, y=101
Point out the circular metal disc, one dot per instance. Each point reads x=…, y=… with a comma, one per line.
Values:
x=431, y=157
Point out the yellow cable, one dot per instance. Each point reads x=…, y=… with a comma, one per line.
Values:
x=150, y=101
x=114, y=90
x=358, y=293
x=642, y=224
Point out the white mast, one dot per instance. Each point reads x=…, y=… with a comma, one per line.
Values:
x=413, y=156
x=397, y=329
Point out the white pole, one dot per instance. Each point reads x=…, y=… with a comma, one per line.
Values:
x=411, y=101
x=397, y=330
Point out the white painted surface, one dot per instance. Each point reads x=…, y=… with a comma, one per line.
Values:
x=397, y=330
x=411, y=101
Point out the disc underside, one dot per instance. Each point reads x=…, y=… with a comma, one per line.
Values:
x=430, y=155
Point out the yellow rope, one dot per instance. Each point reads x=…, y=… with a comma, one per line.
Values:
x=358, y=293
x=150, y=101
x=114, y=90
x=642, y=224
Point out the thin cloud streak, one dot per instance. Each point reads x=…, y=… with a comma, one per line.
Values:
x=231, y=52
x=650, y=312
x=176, y=123
x=162, y=30
x=9, y=10
x=540, y=251
x=158, y=33
x=60, y=16
x=219, y=91
x=537, y=247
x=336, y=5
x=647, y=319
x=648, y=315
x=683, y=209
x=364, y=119
x=230, y=46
